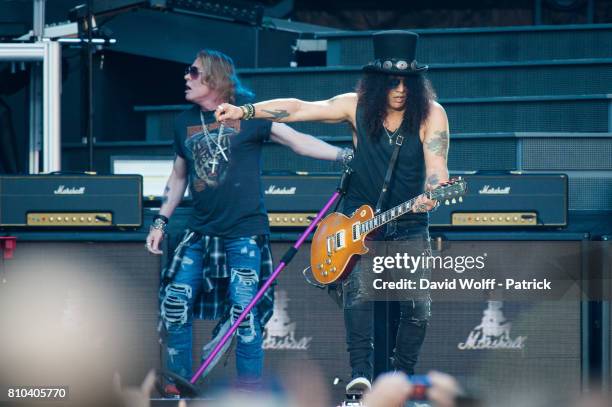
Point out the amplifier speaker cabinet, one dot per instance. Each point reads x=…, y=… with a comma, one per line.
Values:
x=70, y=201
x=101, y=296
x=508, y=351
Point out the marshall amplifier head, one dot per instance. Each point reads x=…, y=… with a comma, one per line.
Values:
x=293, y=200
x=508, y=200
x=70, y=201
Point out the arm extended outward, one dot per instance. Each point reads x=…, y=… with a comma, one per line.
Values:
x=307, y=145
x=335, y=110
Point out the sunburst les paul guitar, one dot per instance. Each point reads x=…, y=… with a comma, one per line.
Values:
x=339, y=239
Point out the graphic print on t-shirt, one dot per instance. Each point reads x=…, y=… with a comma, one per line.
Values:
x=211, y=153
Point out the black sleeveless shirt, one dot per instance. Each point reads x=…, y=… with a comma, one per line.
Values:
x=370, y=165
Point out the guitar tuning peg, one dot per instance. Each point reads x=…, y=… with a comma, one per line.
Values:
x=446, y=202
x=460, y=199
x=454, y=201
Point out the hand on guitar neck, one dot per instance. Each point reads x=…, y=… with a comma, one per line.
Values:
x=424, y=204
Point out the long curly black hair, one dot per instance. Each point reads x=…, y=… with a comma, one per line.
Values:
x=372, y=91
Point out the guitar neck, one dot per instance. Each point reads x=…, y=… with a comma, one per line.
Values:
x=389, y=215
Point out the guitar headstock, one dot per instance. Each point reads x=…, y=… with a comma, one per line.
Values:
x=450, y=192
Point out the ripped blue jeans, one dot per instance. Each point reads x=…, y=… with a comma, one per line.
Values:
x=243, y=258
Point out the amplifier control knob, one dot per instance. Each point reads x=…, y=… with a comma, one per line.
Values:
x=74, y=219
x=485, y=218
x=477, y=219
x=277, y=219
x=301, y=220
x=515, y=218
x=507, y=218
x=67, y=219
x=292, y=220
x=51, y=219
x=82, y=219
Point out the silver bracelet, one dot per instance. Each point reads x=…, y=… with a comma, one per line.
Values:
x=159, y=224
x=346, y=155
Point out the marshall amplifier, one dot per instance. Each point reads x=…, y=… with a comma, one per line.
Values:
x=507, y=200
x=73, y=201
x=292, y=200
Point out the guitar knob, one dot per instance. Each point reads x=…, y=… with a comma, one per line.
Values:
x=320, y=266
x=333, y=270
x=328, y=261
x=325, y=274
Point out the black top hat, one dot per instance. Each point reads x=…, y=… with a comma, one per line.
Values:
x=394, y=53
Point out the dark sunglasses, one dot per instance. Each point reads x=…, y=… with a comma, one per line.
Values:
x=394, y=82
x=193, y=72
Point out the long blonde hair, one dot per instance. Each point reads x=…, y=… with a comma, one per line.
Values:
x=219, y=74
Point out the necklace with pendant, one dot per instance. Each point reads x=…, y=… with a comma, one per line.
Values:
x=219, y=150
x=390, y=136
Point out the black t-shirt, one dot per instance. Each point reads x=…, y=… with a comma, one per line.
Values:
x=224, y=173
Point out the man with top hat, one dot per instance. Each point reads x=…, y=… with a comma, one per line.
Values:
x=394, y=105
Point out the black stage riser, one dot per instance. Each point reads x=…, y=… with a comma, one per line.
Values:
x=500, y=79
x=484, y=45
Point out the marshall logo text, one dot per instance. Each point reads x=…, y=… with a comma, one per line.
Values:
x=62, y=190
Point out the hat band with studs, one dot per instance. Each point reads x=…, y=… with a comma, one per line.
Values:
x=399, y=64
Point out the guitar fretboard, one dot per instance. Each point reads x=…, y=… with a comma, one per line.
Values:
x=389, y=215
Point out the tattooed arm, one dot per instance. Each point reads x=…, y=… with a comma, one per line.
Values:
x=335, y=110
x=435, y=149
x=175, y=187
x=173, y=194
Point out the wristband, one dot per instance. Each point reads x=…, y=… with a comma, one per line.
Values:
x=162, y=217
x=248, y=111
x=159, y=224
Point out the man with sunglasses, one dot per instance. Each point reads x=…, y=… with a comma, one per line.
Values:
x=394, y=106
x=224, y=256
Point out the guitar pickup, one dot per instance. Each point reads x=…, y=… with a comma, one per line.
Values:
x=340, y=240
x=356, y=231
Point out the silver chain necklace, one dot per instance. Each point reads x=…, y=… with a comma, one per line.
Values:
x=218, y=148
x=392, y=135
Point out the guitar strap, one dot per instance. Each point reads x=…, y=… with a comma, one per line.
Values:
x=383, y=193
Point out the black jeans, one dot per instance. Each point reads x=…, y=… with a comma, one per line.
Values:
x=358, y=315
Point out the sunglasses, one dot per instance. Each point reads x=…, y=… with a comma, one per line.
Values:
x=193, y=72
x=394, y=82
